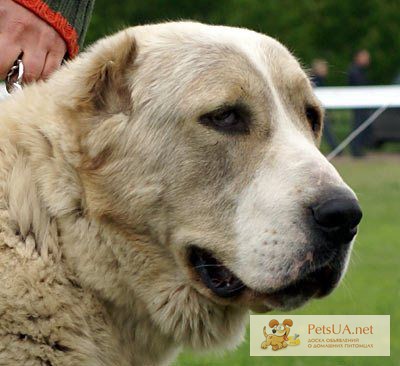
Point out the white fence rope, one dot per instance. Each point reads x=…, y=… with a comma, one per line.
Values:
x=356, y=132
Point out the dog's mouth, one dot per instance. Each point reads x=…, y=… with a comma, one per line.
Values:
x=214, y=275
x=225, y=284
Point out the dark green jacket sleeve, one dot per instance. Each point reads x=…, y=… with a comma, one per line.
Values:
x=77, y=13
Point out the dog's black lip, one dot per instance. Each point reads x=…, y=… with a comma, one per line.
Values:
x=317, y=283
x=218, y=278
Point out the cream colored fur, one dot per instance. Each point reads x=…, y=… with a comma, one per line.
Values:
x=106, y=177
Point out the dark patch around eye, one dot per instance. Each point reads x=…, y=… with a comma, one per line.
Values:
x=229, y=120
x=314, y=118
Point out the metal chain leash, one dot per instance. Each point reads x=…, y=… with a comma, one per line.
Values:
x=14, y=77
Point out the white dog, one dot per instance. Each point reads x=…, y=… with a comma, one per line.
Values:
x=155, y=189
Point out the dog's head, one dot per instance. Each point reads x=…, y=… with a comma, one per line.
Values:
x=281, y=329
x=205, y=139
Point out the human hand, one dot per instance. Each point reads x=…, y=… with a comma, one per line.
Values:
x=21, y=31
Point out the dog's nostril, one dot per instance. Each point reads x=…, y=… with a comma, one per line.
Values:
x=338, y=215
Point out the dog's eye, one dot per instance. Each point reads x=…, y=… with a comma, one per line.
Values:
x=228, y=120
x=314, y=118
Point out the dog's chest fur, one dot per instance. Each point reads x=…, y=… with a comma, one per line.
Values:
x=46, y=317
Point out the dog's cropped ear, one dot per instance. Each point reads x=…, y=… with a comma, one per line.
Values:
x=288, y=322
x=272, y=323
x=103, y=73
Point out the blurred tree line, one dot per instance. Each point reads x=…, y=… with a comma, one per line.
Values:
x=330, y=29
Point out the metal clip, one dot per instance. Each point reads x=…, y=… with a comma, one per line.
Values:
x=14, y=77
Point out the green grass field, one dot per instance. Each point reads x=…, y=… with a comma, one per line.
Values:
x=372, y=284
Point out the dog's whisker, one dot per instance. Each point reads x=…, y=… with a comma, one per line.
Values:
x=236, y=288
x=347, y=288
x=355, y=256
x=208, y=265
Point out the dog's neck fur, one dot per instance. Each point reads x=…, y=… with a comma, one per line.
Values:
x=40, y=184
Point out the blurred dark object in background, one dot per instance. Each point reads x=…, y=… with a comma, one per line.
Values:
x=386, y=128
x=358, y=76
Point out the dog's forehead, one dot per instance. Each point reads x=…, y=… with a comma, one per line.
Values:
x=263, y=52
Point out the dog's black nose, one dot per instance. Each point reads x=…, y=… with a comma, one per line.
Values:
x=338, y=217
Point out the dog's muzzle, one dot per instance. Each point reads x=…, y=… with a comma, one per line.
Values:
x=225, y=284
